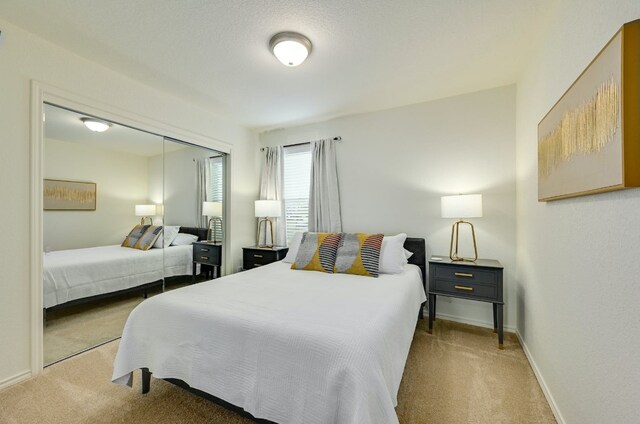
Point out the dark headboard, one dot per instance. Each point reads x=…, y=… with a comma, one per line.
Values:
x=200, y=232
x=419, y=257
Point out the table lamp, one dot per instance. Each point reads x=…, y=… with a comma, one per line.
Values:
x=146, y=211
x=214, y=211
x=266, y=209
x=461, y=206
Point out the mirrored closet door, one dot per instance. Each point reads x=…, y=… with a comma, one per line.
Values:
x=127, y=215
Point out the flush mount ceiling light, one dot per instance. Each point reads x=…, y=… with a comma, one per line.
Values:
x=290, y=48
x=95, y=124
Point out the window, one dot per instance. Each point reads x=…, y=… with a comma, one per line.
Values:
x=297, y=180
x=215, y=189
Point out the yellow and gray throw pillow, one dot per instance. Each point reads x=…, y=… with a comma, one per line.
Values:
x=317, y=252
x=359, y=254
x=142, y=237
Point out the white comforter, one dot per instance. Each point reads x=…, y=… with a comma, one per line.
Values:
x=288, y=346
x=79, y=273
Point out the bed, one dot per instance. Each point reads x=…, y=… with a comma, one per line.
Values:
x=283, y=345
x=79, y=275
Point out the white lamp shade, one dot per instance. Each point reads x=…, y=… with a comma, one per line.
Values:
x=145, y=210
x=212, y=208
x=268, y=208
x=95, y=125
x=290, y=53
x=461, y=206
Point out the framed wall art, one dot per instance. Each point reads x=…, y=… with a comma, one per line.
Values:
x=589, y=142
x=61, y=195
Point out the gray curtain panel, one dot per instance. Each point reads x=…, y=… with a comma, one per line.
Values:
x=324, y=197
x=272, y=188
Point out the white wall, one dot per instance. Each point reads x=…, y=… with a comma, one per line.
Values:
x=578, y=281
x=394, y=165
x=25, y=57
x=179, y=189
x=121, y=180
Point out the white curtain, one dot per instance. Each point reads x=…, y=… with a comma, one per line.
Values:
x=271, y=188
x=324, y=198
x=202, y=188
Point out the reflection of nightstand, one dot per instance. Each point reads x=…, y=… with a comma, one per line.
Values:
x=480, y=280
x=209, y=256
x=253, y=257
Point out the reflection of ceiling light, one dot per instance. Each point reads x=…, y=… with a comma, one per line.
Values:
x=95, y=124
x=290, y=48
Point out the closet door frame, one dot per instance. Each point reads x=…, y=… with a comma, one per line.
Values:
x=42, y=93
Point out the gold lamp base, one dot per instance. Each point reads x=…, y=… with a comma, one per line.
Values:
x=265, y=221
x=214, y=219
x=453, y=255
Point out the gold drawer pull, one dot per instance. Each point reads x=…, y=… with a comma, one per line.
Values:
x=463, y=288
x=462, y=274
x=257, y=256
x=204, y=250
x=204, y=258
x=257, y=265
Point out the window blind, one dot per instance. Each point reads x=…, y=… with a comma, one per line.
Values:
x=297, y=180
x=215, y=188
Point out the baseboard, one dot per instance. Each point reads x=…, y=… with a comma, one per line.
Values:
x=470, y=321
x=15, y=379
x=543, y=384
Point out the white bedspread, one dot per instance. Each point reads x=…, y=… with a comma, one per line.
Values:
x=288, y=346
x=79, y=273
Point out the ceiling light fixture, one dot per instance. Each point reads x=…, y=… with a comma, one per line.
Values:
x=290, y=48
x=95, y=125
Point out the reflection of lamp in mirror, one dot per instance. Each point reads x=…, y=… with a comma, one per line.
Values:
x=214, y=211
x=461, y=206
x=146, y=211
x=266, y=209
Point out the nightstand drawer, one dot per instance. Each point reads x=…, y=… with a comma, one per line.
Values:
x=466, y=274
x=206, y=254
x=466, y=290
x=253, y=257
x=258, y=257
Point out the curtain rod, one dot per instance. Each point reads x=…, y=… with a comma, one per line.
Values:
x=337, y=138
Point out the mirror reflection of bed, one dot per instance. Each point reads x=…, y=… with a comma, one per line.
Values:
x=127, y=235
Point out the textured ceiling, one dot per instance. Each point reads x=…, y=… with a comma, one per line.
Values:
x=367, y=55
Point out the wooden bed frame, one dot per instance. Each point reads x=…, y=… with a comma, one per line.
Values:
x=415, y=245
x=201, y=233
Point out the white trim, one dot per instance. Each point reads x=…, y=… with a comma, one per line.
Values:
x=543, y=385
x=470, y=321
x=18, y=378
x=40, y=93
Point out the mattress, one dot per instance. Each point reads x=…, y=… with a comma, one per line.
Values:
x=79, y=273
x=286, y=345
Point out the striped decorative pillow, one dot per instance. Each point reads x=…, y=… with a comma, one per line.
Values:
x=142, y=237
x=317, y=252
x=359, y=254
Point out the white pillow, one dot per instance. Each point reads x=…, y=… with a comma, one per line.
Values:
x=184, y=239
x=392, y=254
x=293, y=248
x=170, y=233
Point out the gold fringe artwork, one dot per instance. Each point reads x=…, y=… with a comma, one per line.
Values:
x=584, y=130
x=70, y=194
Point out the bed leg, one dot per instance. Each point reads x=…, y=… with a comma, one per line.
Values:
x=421, y=313
x=146, y=380
x=145, y=294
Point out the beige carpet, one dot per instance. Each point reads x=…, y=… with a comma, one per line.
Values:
x=456, y=375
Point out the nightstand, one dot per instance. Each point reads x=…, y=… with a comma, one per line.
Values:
x=209, y=256
x=480, y=280
x=254, y=256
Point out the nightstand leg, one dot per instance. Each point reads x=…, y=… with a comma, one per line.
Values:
x=500, y=329
x=435, y=301
x=193, y=274
x=495, y=317
x=432, y=312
